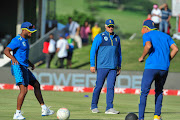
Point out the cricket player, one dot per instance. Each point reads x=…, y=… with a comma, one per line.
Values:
x=157, y=44
x=19, y=68
x=107, y=49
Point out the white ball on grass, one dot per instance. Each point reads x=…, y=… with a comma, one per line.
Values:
x=63, y=114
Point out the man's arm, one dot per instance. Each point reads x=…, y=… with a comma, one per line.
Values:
x=162, y=6
x=31, y=65
x=77, y=30
x=146, y=50
x=174, y=51
x=118, y=71
x=58, y=45
x=168, y=18
x=8, y=54
x=97, y=41
x=57, y=50
x=119, y=58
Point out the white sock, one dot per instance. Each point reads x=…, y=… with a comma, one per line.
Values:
x=43, y=107
x=18, y=111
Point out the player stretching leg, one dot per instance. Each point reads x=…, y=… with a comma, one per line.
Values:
x=23, y=76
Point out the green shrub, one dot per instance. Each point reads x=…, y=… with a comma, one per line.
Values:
x=78, y=17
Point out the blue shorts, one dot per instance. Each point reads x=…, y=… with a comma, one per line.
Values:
x=23, y=75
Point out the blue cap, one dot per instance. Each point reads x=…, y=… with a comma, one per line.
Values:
x=149, y=24
x=61, y=35
x=29, y=27
x=109, y=22
x=67, y=34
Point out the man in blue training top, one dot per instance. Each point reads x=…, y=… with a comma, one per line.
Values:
x=107, y=49
x=23, y=76
x=157, y=44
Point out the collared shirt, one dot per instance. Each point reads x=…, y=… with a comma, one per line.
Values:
x=61, y=44
x=20, y=48
x=107, y=49
x=72, y=27
x=84, y=32
x=156, y=19
x=159, y=54
x=166, y=14
x=52, y=46
x=95, y=31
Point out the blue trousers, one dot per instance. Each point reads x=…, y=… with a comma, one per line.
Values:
x=149, y=76
x=102, y=73
x=163, y=26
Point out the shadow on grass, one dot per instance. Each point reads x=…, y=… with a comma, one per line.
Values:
x=81, y=65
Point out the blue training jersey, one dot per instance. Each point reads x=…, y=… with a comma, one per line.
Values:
x=107, y=49
x=159, y=54
x=20, y=48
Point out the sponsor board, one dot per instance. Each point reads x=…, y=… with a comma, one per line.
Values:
x=88, y=89
x=84, y=78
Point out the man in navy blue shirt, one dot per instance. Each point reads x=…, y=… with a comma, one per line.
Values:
x=165, y=18
x=157, y=44
x=23, y=76
x=107, y=49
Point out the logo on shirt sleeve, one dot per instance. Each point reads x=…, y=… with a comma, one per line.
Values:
x=20, y=38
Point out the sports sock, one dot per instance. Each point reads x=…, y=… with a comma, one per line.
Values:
x=18, y=111
x=43, y=107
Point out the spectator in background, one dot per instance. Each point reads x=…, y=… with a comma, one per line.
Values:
x=62, y=53
x=148, y=17
x=84, y=32
x=70, y=50
x=46, y=51
x=51, y=49
x=169, y=27
x=95, y=30
x=156, y=15
x=74, y=29
x=166, y=16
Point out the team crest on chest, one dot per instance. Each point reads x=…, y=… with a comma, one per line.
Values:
x=106, y=38
x=116, y=39
x=24, y=44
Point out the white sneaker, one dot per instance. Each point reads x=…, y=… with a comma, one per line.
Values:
x=18, y=116
x=112, y=111
x=47, y=112
x=95, y=110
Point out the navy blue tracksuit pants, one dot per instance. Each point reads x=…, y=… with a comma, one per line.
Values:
x=102, y=73
x=149, y=76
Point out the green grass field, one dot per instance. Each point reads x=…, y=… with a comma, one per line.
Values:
x=131, y=51
x=79, y=106
x=127, y=22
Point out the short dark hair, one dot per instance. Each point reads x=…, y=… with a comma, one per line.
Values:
x=51, y=34
x=69, y=18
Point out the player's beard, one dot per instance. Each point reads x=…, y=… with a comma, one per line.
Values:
x=27, y=36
